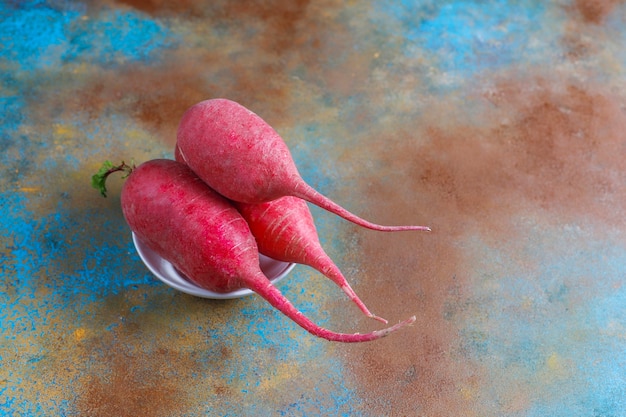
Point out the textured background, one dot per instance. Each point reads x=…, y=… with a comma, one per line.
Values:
x=500, y=124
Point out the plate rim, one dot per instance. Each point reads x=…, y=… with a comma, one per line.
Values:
x=190, y=288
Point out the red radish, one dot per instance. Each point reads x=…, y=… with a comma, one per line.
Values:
x=284, y=230
x=243, y=158
x=201, y=233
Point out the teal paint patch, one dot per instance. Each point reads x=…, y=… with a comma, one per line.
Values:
x=11, y=116
x=40, y=245
x=117, y=37
x=556, y=327
x=616, y=37
x=317, y=173
x=36, y=37
x=29, y=33
x=461, y=38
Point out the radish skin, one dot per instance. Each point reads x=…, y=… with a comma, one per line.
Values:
x=243, y=158
x=284, y=230
x=201, y=233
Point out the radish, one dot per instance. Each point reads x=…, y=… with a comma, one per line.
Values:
x=243, y=158
x=201, y=233
x=284, y=230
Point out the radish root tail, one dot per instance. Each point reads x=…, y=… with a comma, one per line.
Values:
x=352, y=295
x=311, y=195
x=262, y=286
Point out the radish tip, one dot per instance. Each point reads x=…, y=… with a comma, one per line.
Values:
x=378, y=318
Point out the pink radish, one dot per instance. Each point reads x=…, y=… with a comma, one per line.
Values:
x=284, y=230
x=201, y=233
x=243, y=158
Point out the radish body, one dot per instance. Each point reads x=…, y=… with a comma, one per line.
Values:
x=243, y=158
x=284, y=230
x=201, y=233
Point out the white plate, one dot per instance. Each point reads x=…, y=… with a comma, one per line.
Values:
x=165, y=271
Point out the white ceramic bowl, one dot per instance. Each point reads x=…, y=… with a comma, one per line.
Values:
x=165, y=271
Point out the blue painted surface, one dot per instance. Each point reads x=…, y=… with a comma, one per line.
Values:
x=565, y=314
x=456, y=40
x=37, y=36
x=520, y=302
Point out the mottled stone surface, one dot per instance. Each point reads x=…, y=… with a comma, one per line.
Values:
x=500, y=124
